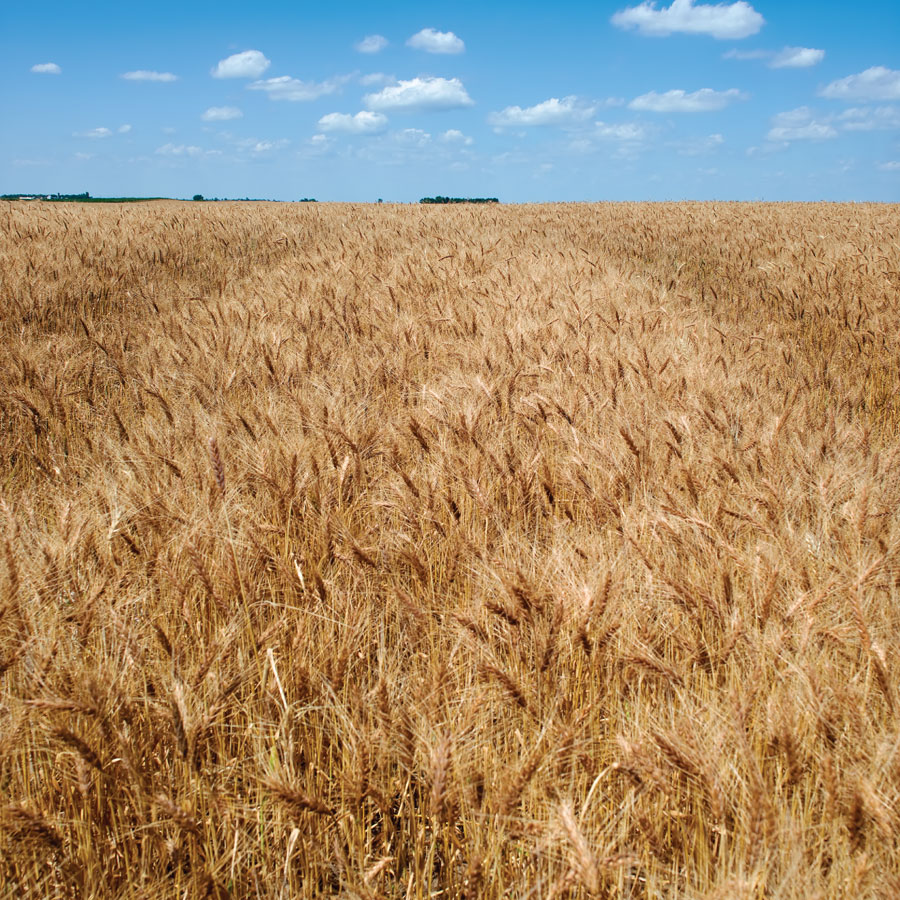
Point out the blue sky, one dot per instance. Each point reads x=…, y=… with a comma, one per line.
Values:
x=523, y=101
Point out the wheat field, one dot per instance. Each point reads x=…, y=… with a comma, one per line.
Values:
x=428, y=552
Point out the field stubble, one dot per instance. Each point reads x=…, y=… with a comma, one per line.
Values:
x=404, y=552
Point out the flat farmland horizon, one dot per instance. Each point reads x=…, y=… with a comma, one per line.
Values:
x=413, y=551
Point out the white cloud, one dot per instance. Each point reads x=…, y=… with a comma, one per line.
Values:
x=247, y=64
x=94, y=133
x=432, y=41
x=629, y=139
x=221, y=114
x=720, y=20
x=800, y=125
x=420, y=94
x=797, y=58
x=876, y=83
x=292, y=89
x=185, y=150
x=412, y=137
x=747, y=54
x=787, y=58
x=124, y=129
x=364, y=122
x=892, y=166
x=264, y=146
x=46, y=69
x=404, y=147
x=455, y=136
x=812, y=131
x=146, y=75
x=625, y=131
x=568, y=111
x=867, y=118
x=371, y=43
x=805, y=124
x=704, y=100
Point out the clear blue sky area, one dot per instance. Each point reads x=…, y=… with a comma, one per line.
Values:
x=522, y=101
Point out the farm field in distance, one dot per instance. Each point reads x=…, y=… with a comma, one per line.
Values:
x=450, y=552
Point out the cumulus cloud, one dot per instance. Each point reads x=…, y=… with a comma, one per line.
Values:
x=720, y=20
x=876, y=83
x=868, y=118
x=371, y=43
x=94, y=133
x=455, y=136
x=704, y=100
x=797, y=58
x=419, y=94
x=568, y=111
x=221, y=114
x=46, y=69
x=148, y=75
x=292, y=89
x=246, y=64
x=364, y=122
x=433, y=41
x=800, y=125
x=805, y=124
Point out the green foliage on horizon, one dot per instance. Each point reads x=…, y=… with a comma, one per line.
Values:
x=76, y=198
x=439, y=199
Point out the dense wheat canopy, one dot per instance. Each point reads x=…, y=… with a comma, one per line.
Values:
x=437, y=552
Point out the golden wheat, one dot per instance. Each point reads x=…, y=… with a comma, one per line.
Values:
x=418, y=552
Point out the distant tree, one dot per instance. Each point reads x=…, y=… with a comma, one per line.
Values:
x=198, y=196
